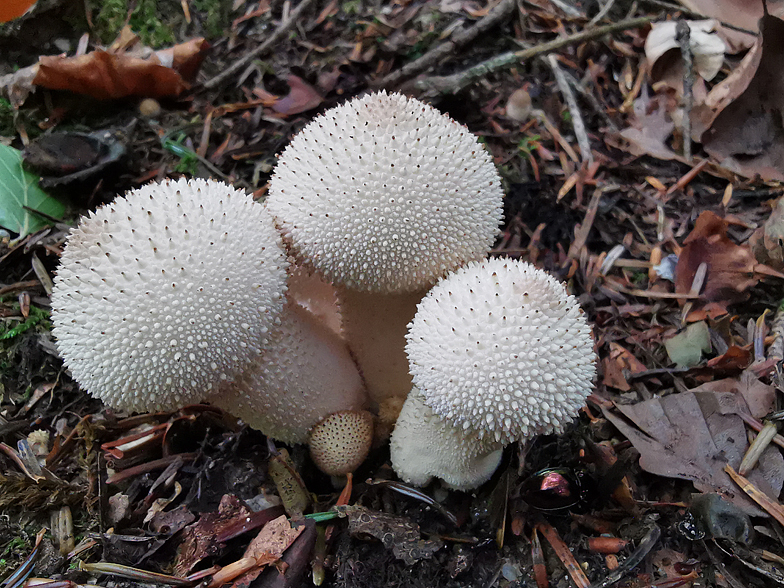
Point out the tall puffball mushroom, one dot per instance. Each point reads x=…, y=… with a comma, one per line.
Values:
x=383, y=195
x=167, y=292
x=499, y=351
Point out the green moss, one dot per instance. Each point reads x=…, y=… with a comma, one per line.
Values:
x=214, y=14
x=144, y=21
x=110, y=19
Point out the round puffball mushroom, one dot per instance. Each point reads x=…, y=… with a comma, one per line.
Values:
x=304, y=374
x=499, y=352
x=424, y=446
x=167, y=292
x=341, y=441
x=384, y=195
x=500, y=348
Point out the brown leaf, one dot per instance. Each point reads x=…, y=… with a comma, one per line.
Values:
x=200, y=539
x=301, y=97
x=268, y=547
x=619, y=361
x=747, y=136
x=691, y=436
x=732, y=269
x=739, y=13
x=104, y=75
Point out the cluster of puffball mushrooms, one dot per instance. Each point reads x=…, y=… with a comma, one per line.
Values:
x=358, y=293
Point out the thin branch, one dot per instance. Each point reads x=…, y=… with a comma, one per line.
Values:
x=271, y=41
x=571, y=102
x=497, y=15
x=452, y=84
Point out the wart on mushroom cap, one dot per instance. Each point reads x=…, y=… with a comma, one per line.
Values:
x=166, y=292
x=501, y=349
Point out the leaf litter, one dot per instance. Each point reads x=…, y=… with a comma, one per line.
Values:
x=187, y=491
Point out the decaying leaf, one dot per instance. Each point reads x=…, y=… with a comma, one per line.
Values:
x=747, y=136
x=620, y=362
x=767, y=242
x=20, y=196
x=663, y=51
x=739, y=13
x=691, y=436
x=396, y=533
x=268, y=547
x=731, y=268
x=200, y=539
x=107, y=74
x=686, y=348
x=301, y=97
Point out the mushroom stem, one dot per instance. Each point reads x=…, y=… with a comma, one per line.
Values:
x=304, y=374
x=424, y=446
x=375, y=327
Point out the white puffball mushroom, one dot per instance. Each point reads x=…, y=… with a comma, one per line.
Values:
x=500, y=349
x=165, y=293
x=424, y=446
x=383, y=195
x=340, y=442
x=304, y=374
x=386, y=194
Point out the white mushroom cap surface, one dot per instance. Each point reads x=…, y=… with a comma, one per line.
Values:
x=500, y=348
x=386, y=194
x=425, y=446
x=166, y=292
x=304, y=374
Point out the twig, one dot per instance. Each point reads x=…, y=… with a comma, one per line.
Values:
x=602, y=13
x=452, y=84
x=683, y=36
x=271, y=41
x=592, y=101
x=496, y=16
x=577, y=118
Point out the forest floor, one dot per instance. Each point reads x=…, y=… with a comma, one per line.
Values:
x=652, y=193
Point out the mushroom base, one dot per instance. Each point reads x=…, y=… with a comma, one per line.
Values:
x=425, y=446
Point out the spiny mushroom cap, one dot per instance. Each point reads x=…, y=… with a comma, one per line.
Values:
x=424, y=446
x=166, y=292
x=500, y=348
x=340, y=443
x=384, y=193
x=304, y=374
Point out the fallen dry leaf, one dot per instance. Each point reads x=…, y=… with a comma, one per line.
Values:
x=267, y=547
x=397, y=533
x=692, y=436
x=747, y=136
x=739, y=13
x=104, y=75
x=301, y=97
x=732, y=269
x=767, y=242
x=200, y=539
x=617, y=364
x=663, y=50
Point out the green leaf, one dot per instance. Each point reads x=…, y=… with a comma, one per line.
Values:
x=20, y=196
